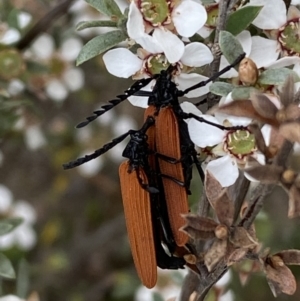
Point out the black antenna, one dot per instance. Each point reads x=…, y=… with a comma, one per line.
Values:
x=97, y=152
x=213, y=77
x=114, y=102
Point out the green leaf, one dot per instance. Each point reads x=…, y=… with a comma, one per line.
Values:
x=11, y=104
x=22, y=285
x=220, y=88
x=107, y=7
x=242, y=93
x=9, y=224
x=88, y=24
x=241, y=19
x=6, y=268
x=230, y=46
x=276, y=76
x=99, y=45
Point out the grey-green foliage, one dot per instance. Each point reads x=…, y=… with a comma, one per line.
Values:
x=241, y=19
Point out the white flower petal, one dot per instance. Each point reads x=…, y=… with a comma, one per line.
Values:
x=124, y=124
x=196, y=55
x=10, y=36
x=121, y=62
x=228, y=296
x=34, y=137
x=224, y=280
x=297, y=69
x=264, y=51
x=70, y=49
x=150, y=44
x=142, y=101
x=172, y=46
x=7, y=240
x=229, y=74
x=233, y=120
x=296, y=148
x=260, y=158
x=188, y=17
x=245, y=39
x=295, y=2
x=24, y=210
x=224, y=169
x=205, y=32
x=188, y=80
x=6, y=198
x=274, y=8
x=188, y=107
x=73, y=78
x=135, y=23
x=286, y=61
x=24, y=19
x=15, y=87
x=25, y=237
x=203, y=134
x=266, y=132
x=91, y=168
x=43, y=46
x=56, y=90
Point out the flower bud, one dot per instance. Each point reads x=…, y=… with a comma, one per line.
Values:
x=288, y=176
x=248, y=72
x=221, y=232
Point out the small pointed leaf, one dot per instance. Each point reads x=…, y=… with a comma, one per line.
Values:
x=276, y=76
x=242, y=18
x=230, y=46
x=267, y=174
x=6, y=268
x=235, y=255
x=263, y=105
x=107, y=7
x=280, y=278
x=213, y=188
x=290, y=131
x=9, y=224
x=215, y=253
x=96, y=23
x=224, y=209
x=287, y=94
x=99, y=45
x=243, y=108
x=289, y=257
x=292, y=112
x=242, y=92
x=220, y=88
x=242, y=239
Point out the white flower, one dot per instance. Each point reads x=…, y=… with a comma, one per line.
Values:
x=66, y=78
x=23, y=236
x=34, y=137
x=282, y=27
x=264, y=52
x=151, y=60
x=186, y=16
x=229, y=148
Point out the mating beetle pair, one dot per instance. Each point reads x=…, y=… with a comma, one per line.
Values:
x=156, y=178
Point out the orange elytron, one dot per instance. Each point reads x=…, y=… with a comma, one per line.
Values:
x=137, y=209
x=165, y=140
